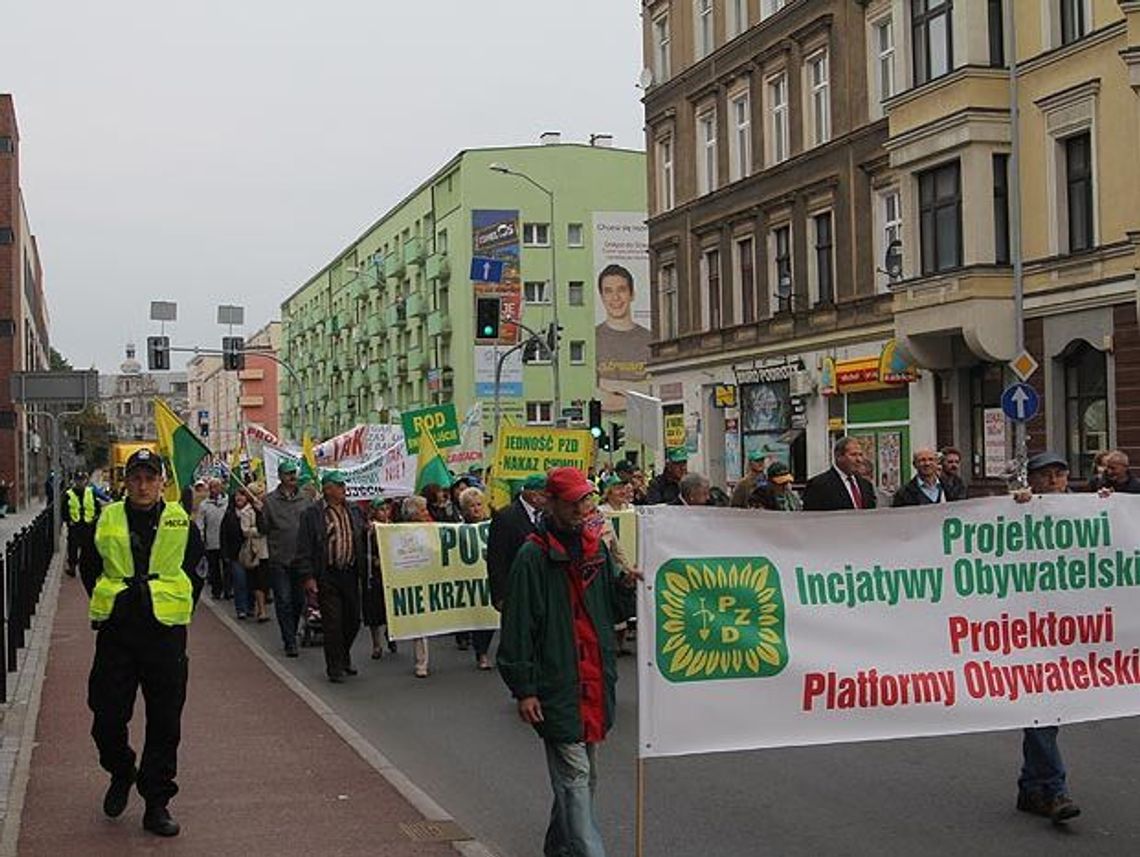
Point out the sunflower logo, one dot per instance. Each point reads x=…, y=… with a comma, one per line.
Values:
x=720, y=619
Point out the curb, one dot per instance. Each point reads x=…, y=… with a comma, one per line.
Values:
x=23, y=710
x=420, y=800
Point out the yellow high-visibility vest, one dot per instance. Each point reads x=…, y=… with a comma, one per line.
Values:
x=84, y=513
x=171, y=594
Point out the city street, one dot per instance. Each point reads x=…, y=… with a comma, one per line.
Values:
x=457, y=737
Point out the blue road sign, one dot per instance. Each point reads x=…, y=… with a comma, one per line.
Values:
x=486, y=270
x=1019, y=402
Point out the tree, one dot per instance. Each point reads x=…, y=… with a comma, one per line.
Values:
x=91, y=434
x=58, y=363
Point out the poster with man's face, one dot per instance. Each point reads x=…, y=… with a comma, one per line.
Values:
x=621, y=304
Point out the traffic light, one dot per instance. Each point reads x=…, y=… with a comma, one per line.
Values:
x=232, y=353
x=617, y=436
x=596, y=419
x=488, y=317
x=157, y=353
x=553, y=335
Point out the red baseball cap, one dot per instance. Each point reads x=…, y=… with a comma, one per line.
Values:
x=568, y=483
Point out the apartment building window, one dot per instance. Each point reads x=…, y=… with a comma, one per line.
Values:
x=703, y=34
x=890, y=231
x=884, y=53
x=706, y=152
x=1086, y=405
x=710, y=287
x=1001, y=209
x=744, y=307
x=771, y=7
x=823, y=277
x=819, y=93
x=1074, y=22
x=740, y=141
x=996, y=21
x=781, y=254
x=1079, y=191
x=577, y=352
x=661, y=41
x=667, y=290
x=940, y=218
x=535, y=352
x=933, y=47
x=536, y=234
x=665, y=198
x=536, y=292
x=575, y=235
x=441, y=241
x=577, y=293
x=737, y=17
x=778, y=144
x=540, y=413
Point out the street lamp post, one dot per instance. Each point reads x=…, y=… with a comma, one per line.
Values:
x=555, y=354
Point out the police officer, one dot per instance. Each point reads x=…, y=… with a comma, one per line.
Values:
x=141, y=602
x=79, y=510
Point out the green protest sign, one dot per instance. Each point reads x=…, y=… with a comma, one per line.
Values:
x=440, y=421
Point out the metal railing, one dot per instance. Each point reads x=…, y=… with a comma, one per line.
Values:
x=25, y=564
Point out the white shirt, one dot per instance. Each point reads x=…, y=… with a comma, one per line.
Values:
x=846, y=478
x=531, y=512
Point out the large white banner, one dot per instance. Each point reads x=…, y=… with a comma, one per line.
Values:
x=392, y=472
x=768, y=629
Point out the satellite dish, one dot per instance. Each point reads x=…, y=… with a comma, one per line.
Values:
x=893, y=260
x=645, y=79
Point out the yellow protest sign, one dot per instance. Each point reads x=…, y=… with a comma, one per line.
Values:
x=435, y=578
x=625, y=528
x=528, y=450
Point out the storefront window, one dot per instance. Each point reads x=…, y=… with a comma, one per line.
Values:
x=985, y=394
x=1086, y=406
x=765, y=416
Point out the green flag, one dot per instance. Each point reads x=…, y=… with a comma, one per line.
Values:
x=430, y=465
x=181, y=449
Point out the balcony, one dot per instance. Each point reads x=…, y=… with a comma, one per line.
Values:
x=438, y=267
x=374, y=326
x=417, y=360
x=394, y=267
x=438, y=323
x=415, y=251
x=415, y=306
x=358, y=289
x=375, y=373
x=397, y=366
x=394, y=315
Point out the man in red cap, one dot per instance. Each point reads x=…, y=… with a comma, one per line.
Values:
x=557, y=652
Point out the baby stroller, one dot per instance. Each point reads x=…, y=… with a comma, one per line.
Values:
x=312, y=631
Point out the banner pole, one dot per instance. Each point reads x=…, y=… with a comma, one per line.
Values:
x=639, y=847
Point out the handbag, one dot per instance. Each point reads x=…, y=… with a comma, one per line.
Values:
x=247, y=555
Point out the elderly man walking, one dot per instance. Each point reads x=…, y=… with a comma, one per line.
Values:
x=211, y=515
x=280, y=520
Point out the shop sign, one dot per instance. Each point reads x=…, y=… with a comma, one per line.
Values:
x=672, y=392
x=674, y=430
x=862, y=374
x=994, y=427
x=768, y=374
x=724, y=396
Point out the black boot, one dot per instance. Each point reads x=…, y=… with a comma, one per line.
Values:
x=157, y=820
x=118, y=793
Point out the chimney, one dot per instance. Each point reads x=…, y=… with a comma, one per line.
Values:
x=550, y=138
x=602, y=141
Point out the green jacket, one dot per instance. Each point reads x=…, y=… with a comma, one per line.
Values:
x=537, y=651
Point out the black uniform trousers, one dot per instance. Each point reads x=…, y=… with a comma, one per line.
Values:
x=338, y=594
x=80, y=541
x=139, y=652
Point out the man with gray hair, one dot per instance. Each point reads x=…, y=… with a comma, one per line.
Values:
x=693, y=491
x=927, y=486
x=840, y=486
x=1117, y=475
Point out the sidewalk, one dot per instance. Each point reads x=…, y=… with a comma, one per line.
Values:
x=260, y=772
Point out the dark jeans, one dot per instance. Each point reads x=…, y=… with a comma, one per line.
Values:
x=125, y=660
x=482, y=642
x=80, y=542
x=1042, y=769
x=214, y=573
x=288, y=601
x=338, y=593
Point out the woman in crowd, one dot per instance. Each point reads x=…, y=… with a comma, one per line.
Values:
x=374, y=613
x=254, y=553
x=415, y=510
x=473, y=507
x=617, y=496
x=231, y=544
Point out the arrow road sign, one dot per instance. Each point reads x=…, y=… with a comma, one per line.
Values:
x=1019, y=402
x=486, y=270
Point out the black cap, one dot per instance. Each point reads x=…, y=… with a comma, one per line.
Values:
x=80, y=474
x=1047, y=459
x=145, y=458
x=624, y=466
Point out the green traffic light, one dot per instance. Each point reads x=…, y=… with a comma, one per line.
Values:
x=596, y=432
x=487, y=330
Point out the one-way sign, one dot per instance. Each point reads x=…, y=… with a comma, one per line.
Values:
x=486, y=270
x=1019, y=402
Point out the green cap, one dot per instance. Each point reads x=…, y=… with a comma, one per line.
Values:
x=757, y=455
x=377, y=502
x=537, y=482
x=288, y=465
x=610, y=481
x=333, y=477
x=677, y=455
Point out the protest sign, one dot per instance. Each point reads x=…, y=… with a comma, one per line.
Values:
x=392, y=472
x=440, y=421
x=625, y=528
x=435, y=578
x=942, y=619
x=360, y=443
x=526, y=450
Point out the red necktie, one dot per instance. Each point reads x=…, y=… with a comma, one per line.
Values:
x=855, y=492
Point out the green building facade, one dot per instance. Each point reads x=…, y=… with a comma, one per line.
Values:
x=388, y=325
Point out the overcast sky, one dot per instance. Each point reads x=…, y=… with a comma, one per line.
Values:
x=221, y=151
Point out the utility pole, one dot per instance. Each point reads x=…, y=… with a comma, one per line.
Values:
x=1021, y=455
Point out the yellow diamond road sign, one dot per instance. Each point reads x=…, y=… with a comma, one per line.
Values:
x=1023, y=365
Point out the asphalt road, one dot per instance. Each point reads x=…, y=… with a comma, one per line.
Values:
x=456, y=735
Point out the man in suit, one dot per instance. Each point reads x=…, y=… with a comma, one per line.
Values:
x=510, y=528
x=332, y=556
x=928, y=486
x=841, y=486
